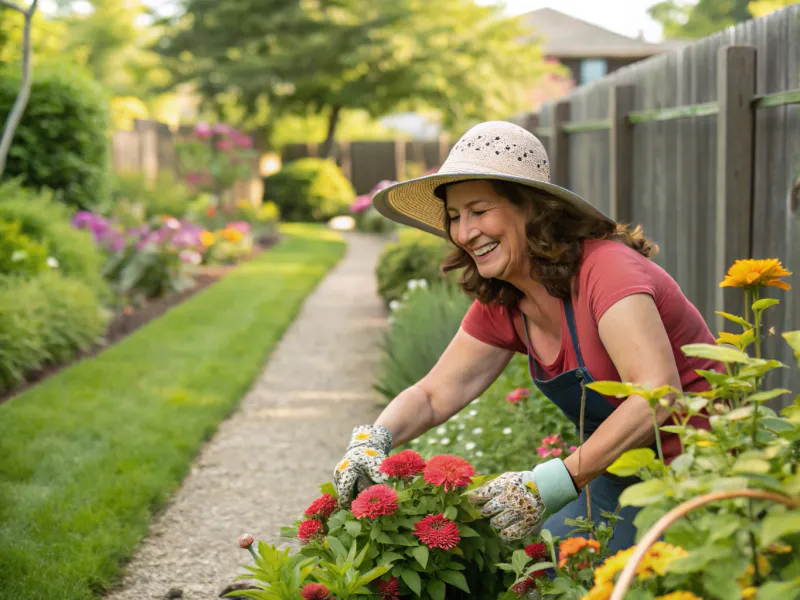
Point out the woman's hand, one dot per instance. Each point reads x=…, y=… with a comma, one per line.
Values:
x=360, y=466
x=519, y=502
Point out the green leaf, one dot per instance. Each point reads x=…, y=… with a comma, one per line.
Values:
x=467, y=531
x=779, y=524
x=644, y=493
x=436, y=589
x=373, y=574
x=336, y=546
x=750, y=464
x=631, y=461
x=760, y=367
x=765, y=303
x=779, y=590
x=288, y=532
x=421, y=553
x=412, y=580
x=737, y=414
x=679, y=429
x=767, y=395
x=681, y=463
x=793, y=339
x=328, y=488
x=387, y=557
x=455, y=578
x=451, y=512
x=734, y=318
x=383, y=538
x=353, y=528
x=540, y=566
x=776, y=424
x=519, y=559
x=714, y=352
x=612, y=388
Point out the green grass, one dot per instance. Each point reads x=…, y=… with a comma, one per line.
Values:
x=89, y=455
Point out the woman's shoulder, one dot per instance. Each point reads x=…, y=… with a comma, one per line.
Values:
x=491, y=323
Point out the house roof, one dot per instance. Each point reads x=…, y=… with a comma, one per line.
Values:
x=564, y=36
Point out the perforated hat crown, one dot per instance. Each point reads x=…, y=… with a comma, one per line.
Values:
x=490, y=150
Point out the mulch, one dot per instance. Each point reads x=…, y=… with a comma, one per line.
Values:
x=128, y=320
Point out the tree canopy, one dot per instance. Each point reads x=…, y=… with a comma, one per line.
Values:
x=690, y=20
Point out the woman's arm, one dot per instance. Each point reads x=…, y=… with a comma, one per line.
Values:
x=634, y=337
x=463, y=372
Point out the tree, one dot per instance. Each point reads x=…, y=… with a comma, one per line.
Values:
x=15, y=115
x=330, y=55
x=690, y=20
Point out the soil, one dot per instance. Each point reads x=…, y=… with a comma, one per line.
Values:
x=130, y=319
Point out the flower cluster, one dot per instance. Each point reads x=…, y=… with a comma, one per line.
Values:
x=518, y=395
x=403, y=465
x=752, y=273
x=437, y=531
x=228, y=138
x=319, y=511
x=448, y=471
x=553, y=445
x=375, y=501
x=363, y=202
x=577, y=550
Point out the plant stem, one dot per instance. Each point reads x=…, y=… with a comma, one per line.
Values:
x=757, y=321
x=658, y=437
x=756, y=575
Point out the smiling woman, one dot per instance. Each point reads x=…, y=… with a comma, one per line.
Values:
x=560, y=282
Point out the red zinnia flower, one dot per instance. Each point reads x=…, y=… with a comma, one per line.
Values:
x=315, y=591
x=536, y=551
x=374, y=501
x=523, y=587
x=246, y=540
x=309, y=529
x=518, y=395
x=436, y=531
x=449, y=471
x=389, y=589
x=322, y=508
x=403, y=465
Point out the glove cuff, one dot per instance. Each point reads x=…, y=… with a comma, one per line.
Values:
x=554, y=484
x=373, y=436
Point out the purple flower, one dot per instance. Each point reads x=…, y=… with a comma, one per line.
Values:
x=360, y=204
x=242, y=226
x=381, y=185
x=190, y=257
x=203, y=130
x=222, y=129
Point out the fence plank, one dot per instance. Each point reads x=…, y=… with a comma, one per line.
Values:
x=559, y=145
x=621, y=153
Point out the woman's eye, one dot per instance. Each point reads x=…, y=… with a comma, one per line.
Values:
x=454, y=217
x=478, y=212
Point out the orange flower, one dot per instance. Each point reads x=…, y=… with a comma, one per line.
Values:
x=211, y=211
x=572, y=546
x=679, y=595
x=232, y=235
x=207, y=239
x=755, y=273
x=601, y=591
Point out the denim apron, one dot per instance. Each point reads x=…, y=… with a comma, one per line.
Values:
x=568, y=392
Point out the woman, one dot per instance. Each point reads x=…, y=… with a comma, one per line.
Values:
x=555, y=279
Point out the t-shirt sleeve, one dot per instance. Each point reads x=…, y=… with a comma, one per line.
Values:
x=491, y=324
x=612, y=272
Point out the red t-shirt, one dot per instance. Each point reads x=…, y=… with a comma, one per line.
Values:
x=609, y=272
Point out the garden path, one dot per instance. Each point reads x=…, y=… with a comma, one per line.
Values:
x=265, y=463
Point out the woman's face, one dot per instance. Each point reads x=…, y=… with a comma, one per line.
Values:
x=489, y=227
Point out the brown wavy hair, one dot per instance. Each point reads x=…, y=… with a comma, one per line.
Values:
x=555, y=230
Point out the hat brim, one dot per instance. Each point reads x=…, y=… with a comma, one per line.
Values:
x=414, y=202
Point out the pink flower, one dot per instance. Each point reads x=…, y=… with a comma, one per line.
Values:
x=322, y=508
x=310, y=529
x=543, y=452
x=437, y=531
x=572, y=448
x=518, y=395
x=374, y=501
x=246, y=540
x=448, y=471
x=315, y=591
x=556, y=452
x=203, y=130
x=552, y=439
x=224, y=145
x=403, y=465
x=360, y=204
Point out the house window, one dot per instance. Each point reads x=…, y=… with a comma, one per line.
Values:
x=593, y=68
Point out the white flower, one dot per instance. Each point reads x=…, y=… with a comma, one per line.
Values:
x=469, y=445
x=477, y=430
x=454, y=417
x=394, y=305
x=173, y=223
x=441, y=430
x=476, y=400
x=432, y=441
x=459, y=438
x=445, y=441
x=414, y=442
x=472, y=413
x=52, y=262
x=18, y=255
x=412, y=284
x=461, y=426
x=507, y=430
x=479, y=453
x=422, y=283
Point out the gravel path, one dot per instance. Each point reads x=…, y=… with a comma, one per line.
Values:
x=264, y=465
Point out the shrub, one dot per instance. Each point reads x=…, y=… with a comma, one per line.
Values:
x=309, y=189
x=44, y=320
x=20, y=255
x=416, y=255
x=130, y=195
x=48, y=223
x=422, y=327
x=62, y=140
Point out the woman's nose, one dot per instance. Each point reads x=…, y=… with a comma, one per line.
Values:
x=465, y=231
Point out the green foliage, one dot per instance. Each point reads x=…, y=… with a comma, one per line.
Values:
x=416, y=255
x=421, y=330
x=20, y=255
x=698, y=19
x=102, y=435
x=309, y=189
x=62, y=141
x=44, y=320
x=511, y=427
x=47, y=222
x=131, y=195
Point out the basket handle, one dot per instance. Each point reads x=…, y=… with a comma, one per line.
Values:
x=652, y=535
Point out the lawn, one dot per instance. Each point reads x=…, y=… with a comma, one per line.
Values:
x=90, y=454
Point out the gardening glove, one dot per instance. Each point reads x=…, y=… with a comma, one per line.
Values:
x=360, y=466
x=519, y=502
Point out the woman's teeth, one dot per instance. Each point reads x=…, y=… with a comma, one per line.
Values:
x=486, y=249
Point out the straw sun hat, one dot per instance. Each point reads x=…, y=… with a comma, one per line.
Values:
x=491, y=150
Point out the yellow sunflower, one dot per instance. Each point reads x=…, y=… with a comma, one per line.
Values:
x=752, y=273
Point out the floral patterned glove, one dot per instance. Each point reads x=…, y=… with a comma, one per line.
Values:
x=360, y=466
x=518, y=505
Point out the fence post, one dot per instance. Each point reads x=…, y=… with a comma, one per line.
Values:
x=559, y=144
x=399, y=160
x=532, y=122
x=148, y=149
x=346, y=158
x=620, y=103
x=736, y=88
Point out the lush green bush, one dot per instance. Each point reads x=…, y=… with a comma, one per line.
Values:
x=416, y=255
x=309, y=189
x=44, y=320
x=62, y=141
x=48, y=222
x=132, y=197
x=19, y=254
x=422, y=327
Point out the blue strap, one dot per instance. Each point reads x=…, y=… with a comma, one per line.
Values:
x=573, y=336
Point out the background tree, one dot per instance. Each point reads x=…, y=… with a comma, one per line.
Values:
x=463, y=60
x=691, y=20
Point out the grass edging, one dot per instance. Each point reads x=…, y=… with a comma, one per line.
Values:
x=89, y=455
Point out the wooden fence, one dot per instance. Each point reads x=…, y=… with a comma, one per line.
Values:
x=149, y=148
x=701, y=146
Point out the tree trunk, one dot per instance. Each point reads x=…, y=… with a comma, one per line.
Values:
x=327, y=147
x=15, y=116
